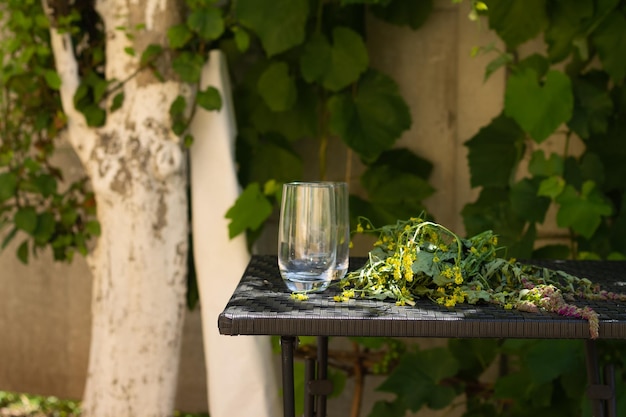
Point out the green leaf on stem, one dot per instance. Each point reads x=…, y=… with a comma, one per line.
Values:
x=207, y=23
x=582, y=211
x=277, y=87
x=8, y=185
x=188, y=66
x=494, y=152
x=249, y=211
x=179, y=35
x=26, y=219
x=539, y=109
x=280, y=24
x=517, y=22
x=209, y=99
x=610, y=41
x=372, y=119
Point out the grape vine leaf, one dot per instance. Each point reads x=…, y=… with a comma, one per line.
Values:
x=494, y=152
x=372, y=119
x=250, y=210
x=567, y=22
x=338, y=65
x=592, y=105
x=206, y=22
x=280, y=24
x=582, y=211
x=526, y=202
x=517, y=21
x=539, y=109
x=416, y=379
x=610, y=41
x=277, y=87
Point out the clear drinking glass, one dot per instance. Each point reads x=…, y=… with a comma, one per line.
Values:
x=307, y=236
x=342, y=212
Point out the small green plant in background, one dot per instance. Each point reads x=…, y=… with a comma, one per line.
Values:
x=20, y=404
x=16, y=404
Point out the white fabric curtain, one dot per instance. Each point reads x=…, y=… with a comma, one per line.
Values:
x=241, y=376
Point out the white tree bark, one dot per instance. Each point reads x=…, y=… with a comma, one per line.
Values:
x=138, y=175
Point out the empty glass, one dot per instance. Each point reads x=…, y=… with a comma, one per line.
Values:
x=307, y=236
x=342, y=213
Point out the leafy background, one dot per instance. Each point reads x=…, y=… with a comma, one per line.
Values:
x=305, y=87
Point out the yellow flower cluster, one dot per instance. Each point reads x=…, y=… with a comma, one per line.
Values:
x=458, y=296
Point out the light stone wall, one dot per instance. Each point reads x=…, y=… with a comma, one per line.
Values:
x=44, y=307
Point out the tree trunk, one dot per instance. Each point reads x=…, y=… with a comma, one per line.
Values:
x=138, y=174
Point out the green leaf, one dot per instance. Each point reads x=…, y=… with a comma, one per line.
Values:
x=300, y=121
x=388, y=186
x=22, y=252
x=499, y=61
x=593, y=106
x=349, y=59
x=416, y=378
x=45, y=228
x=209, y=99
x=207, y=23
x=412, y=13
x=567, y=23
x=582, y=211
x=494, y=152
x=492, y=211
x=8, y=238
x=387, y=409
x=541, y=167
x=549, y=359
x=150, y=53
x=275, y=160
x=94, y=115
x=610, y=41
x=242, y=39
x=527, y=203
x=188, y=66
x=372, y=119
x=178, y=106
x=474, y=355
x=52, y=79
x=517, y=21
x=315, y=60
x=249, y=211
x=46, y=184
x=612, y=152
x=118, y=101
x=93, y=228
x=179, y=35
x=338, y=65
x=8, y=185
x=277, y=87
x=539, y=109
x=280, y=24
x=26, y=219
x=551, y=187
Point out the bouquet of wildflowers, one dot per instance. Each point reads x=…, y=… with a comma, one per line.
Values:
x=418, y=258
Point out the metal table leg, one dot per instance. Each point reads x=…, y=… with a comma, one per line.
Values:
x=601, y=391
x=287, y=347
x=322, y=373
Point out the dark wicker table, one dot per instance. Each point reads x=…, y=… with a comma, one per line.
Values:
x=262, y=305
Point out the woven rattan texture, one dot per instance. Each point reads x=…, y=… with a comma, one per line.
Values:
x=261, y=305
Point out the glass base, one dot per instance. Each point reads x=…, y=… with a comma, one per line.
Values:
x=298, y=282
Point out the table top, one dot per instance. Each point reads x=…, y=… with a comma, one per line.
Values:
x=262, y=305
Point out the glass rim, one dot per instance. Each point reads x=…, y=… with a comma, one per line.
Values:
x=316, y=183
